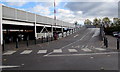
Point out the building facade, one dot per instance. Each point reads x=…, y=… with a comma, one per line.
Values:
x=14, y=23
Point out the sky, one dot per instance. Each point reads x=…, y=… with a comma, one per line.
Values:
x=68, y=10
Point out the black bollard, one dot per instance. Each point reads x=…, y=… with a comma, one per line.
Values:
x=3, y=45
x=27, y=41
x=62, y=34
x=66, y=34
x=35, y=41
x=16, y=42
x=47, y=38
x=117, y=43
x=42, y=39
x=106, y=43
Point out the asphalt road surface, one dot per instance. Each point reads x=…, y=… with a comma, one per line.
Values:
x=79, y=51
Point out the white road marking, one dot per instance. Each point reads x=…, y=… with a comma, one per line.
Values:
x=91, y=47
x=42, y=51
x=22, y=64
x=96, y=33
x=9, y=53
x=86, y=46
x=82, y=54
x=101, y=49
x=8, y=66
x=26, y=52
x=86, y=50
x=84, y=36
x=83, y=46
x=91, y=57
x=69, y=44
x=72, y=50
x=57, y=51
x=75, y=36
x=77, y=46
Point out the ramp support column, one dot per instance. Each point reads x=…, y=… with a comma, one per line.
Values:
x=1, y=32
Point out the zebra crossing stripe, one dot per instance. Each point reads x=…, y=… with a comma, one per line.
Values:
x=57, y=51
x=8, y=66
x=54, y=51
x=9, y=53
x=86, y=50
x=77, y=46
x=101, y=49
x=72, y=50
x=26, y=52
x=85, y=54
x=82, y=46
x=42, y=51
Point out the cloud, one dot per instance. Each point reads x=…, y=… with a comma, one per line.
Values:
x=42, y=10
x=16, y=3
x=45, y=9
x=94, y=9
x=68, y=15
x=65, y=15
x=60, y=0
x=64, y=11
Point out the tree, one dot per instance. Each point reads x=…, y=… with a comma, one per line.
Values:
x=87, y=22
x=106, y=22
x=95, y=21
x=76, y=23
x=116, y=21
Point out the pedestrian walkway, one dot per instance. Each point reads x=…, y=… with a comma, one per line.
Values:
x=54, y=51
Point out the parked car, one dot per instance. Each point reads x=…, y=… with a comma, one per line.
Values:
x=115, y=34
x=119, y=35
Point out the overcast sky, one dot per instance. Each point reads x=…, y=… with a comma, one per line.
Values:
x=69, y=11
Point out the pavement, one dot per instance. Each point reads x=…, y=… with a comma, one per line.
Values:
x=82, y=50
x=112, y=42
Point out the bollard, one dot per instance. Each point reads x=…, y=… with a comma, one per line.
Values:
x=27, y=41
x=35, y=41
x=16, y=42
x=62, y=34
x=117, y=43
x=106, y=43
x=42, y=39
x=66, y=34
x=47, y=38
x=3, y=45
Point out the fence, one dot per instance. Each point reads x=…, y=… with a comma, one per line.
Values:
x=40, y=35
x=42, y=38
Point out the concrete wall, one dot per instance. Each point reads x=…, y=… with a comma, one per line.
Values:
x=90, y=26
x=15, y=14
x=1, y=38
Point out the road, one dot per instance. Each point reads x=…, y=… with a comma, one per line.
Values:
x=79, y=51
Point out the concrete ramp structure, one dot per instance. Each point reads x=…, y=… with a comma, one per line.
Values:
x=14, y=22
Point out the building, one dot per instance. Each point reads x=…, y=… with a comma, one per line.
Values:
x=14, y=23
